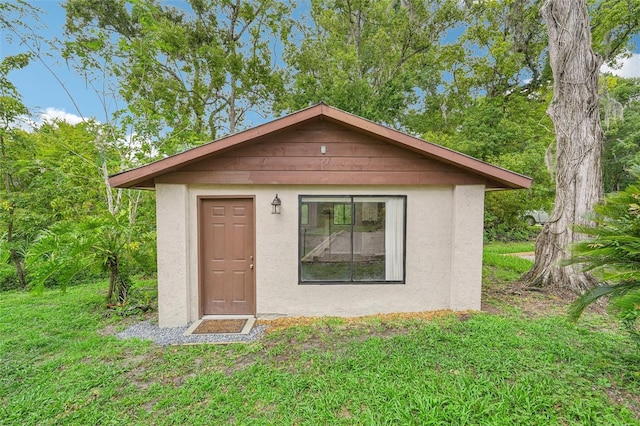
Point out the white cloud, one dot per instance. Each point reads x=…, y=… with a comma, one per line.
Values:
x=23, y=122
x=629, y=67
x=51, y=114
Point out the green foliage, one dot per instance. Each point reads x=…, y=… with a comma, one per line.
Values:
x=11, y=106
x=612, y=254
x=66, y=368
x=13, y=152
x=613, y=25
x=368, y=58
x=613, y=250
x=23, y=204
x=8, y=277
x=498, y=49
x=513, y=132
x=496, y=229
x=192, y=72
x=620, y=106
x=64, y=218
x=67, y=249
x=504, y=45
x=627, y=309
x=62, y=252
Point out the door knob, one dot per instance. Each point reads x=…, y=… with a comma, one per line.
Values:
x=251, y=266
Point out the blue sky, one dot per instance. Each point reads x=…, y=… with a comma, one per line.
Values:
x=39, y=89
x=46, y=96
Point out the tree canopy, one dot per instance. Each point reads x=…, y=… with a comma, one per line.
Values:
x=474, y=76
x=195, y=71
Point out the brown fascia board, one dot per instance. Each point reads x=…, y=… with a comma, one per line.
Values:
x=143, y=177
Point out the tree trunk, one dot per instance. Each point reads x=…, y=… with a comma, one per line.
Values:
x=112, y=286
x=13, y=253
x=119, y=282
x=575, y=115
x=15, y=258
x=232, y=106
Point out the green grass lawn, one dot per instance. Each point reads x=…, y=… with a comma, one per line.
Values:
x=505, y=268
x=59, y=366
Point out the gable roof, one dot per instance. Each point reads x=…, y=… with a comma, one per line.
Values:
x=143, y=177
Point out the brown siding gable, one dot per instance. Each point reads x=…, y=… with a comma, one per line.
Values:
x=494, y=177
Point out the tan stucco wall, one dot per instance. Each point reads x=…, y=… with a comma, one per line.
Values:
x=437, y=277
x=467, y=215
x=172, y=218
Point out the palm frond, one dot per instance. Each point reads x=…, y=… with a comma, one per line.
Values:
x=616, y=290
x=612, y=251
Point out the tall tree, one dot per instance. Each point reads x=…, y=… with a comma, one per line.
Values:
x=195, y=71
x=374, y=59
x=491, y=103
x=35, y=165
x=11, y=148
x=575, y=114
x=94, y=225
x=496, y=51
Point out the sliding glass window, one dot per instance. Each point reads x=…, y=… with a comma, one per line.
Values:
x=352, y=239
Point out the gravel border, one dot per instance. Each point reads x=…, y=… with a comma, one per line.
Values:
x=175, y=335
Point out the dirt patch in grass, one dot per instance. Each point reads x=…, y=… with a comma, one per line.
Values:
x=309, y=333
x=534, y=302
x=241, y=363
x=623, y=397
x=502, y=290
x=497, y=298
x=109, y=330
x=123, y=322
x=293, y=336
x=330, y=322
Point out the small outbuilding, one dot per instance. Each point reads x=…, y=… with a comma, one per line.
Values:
x=318, y=213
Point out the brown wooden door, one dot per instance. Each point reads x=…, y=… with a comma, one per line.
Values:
x=227, y=256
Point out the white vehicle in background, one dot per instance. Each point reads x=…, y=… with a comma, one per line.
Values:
x=535, y=217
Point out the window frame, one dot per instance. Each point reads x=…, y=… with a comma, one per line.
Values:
x=352, y=224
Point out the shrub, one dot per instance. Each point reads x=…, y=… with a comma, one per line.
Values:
x=8, y=276
x=8, y=280
x=627, y=309
x=612, y=255
x=503, y=216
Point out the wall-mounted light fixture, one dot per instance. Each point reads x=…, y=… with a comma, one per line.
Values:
x=275, y=205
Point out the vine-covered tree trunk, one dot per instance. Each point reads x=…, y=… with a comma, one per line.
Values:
x=574, y=111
